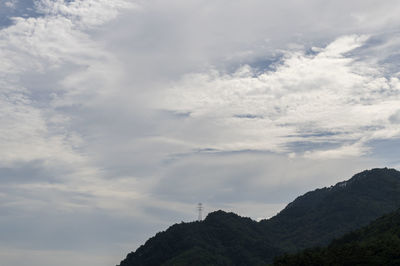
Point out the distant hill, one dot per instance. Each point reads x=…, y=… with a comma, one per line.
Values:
x=313, y=219
x=375, y=244
x=221, y=239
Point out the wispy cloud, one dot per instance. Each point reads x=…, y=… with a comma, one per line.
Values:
x=117, y=117
x=331, y=90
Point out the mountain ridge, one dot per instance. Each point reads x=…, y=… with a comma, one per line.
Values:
x=312, y=219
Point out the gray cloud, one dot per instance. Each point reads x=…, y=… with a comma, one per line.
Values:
x=395, y=118
x=28, y=172
x=246, y=176
x=117, y=113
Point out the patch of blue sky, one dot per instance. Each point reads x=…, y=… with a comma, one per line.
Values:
x=175, y=114
x=304, y=146
x=20, y=8
x=248, y=116
x=386, y=150
x=261, y=65
x=316, y=134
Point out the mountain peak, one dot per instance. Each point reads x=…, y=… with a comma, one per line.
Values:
x=370, y=176
x=220, y=214
x=376, y=173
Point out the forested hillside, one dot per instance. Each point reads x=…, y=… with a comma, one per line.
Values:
x=375, y=244
x=313, y=219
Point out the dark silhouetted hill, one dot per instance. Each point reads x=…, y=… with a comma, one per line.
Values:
x=221, y=239
x=313, y=219
x=319, y=216
x=375, y=244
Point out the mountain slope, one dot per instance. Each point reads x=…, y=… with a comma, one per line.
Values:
x=221, y=239
x=312, y=219
x=321, y=215
x=376, y=244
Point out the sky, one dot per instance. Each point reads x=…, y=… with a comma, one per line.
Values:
x=118, y=116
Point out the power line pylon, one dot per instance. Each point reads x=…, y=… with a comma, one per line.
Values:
x=200, y=209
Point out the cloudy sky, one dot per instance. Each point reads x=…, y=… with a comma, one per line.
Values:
x=118, y=116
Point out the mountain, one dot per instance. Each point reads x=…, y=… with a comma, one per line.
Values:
x=221, y=239
x=319, y=216
x=376, y=244
x=313, y=219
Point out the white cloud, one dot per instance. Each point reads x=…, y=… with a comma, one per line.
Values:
x=84, y=13
x=345, y=151
x=117, y=113
x=330, y=92
x=31, y=129
x=10, y=4
x=43, y=167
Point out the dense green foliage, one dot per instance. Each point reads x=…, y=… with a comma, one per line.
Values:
x=313, y=219
x=324, y=214
x=221, y=239
x=375, y=244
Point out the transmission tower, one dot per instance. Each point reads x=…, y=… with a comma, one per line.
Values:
x=200, y=209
